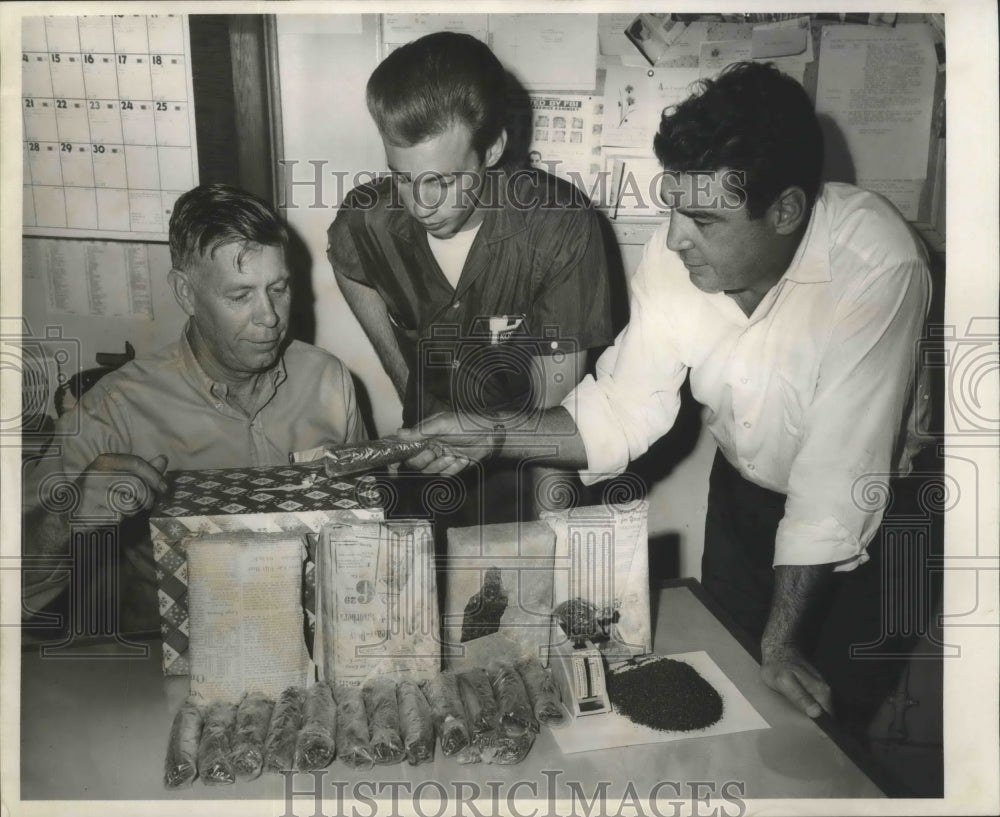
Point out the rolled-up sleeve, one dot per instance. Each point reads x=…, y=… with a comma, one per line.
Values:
x=635, y=397
x=839, y=478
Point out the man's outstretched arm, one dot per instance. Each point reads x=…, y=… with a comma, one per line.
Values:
x=458, y=439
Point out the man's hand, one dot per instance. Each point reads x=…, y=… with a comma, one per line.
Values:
x=457, y=441
x=115, y=486
x=785, y=670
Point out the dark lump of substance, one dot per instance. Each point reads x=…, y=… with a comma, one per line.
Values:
x=665, y=695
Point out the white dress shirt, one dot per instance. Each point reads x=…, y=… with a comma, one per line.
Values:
x=811, y=396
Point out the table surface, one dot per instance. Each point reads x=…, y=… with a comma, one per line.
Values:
x=96, y=728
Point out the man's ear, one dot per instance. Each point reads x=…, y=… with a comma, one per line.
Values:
x=183, y=289
x=789, y=211
x=495, y=151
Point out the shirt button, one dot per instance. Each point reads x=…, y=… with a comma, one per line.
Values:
x=746, y=425
x=744, y=380
x=456, y=305
x=751, y=467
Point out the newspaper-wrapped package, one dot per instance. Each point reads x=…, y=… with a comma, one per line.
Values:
x=376, y=597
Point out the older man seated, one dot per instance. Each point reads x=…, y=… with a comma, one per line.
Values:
x=232, y=392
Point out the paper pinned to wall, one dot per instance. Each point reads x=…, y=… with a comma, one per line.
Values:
x=105, y=279
x=685, y=50
x=877, y=86
x=716, y=56
x=563, y=134
x=547, y=51
x=399, y=29
x=787, y=38
x=611, y=34
x=634, y=99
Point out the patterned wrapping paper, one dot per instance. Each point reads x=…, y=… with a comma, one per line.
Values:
x=297, y=498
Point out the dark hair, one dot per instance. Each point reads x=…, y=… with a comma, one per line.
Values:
x=751, y=118
x=430, y=84
x=212, y=215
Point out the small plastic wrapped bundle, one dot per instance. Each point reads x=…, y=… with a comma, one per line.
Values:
x=542, y=691
x=489, y=740
x=416, y=727
x=283, y=734
x=383, y=720
x=447, y=712
x=503, y=750
x=253, y=719
x=481, y=713
x=181, y=765
x=353, y=458
x=353, y=741
x=316, y=743
x=516, y=715
x=215, y=746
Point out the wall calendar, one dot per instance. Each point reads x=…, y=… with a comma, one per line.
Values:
x=109, y=131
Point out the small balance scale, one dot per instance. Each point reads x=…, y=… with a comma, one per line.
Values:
x=578, y=668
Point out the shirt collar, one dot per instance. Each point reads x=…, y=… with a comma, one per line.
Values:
x=213, y=390
x=811, y=263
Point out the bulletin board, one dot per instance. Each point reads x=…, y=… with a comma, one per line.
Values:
x=593, y=86
x=109, y=125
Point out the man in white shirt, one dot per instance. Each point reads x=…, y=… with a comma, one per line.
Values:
x=795, y=307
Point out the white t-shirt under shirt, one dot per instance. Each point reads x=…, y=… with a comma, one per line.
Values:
x=451, y=253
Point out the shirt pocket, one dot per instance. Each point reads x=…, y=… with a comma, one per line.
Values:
x=793, y=411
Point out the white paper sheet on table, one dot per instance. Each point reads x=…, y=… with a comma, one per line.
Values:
x=610, y=730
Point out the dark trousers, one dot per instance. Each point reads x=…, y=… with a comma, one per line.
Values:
x=867, y=620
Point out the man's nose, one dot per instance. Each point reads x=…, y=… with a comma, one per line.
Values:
x=678, y=238
x=265, y=314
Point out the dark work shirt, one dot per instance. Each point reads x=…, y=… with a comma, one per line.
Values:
x=539, y=255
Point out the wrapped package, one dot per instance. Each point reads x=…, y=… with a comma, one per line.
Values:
x=253, y=719
x=215, y=746
x=181, y=765
x=504, y=750
x=499, y=592
x=447, y=711
x=353, y=458
x=481, y=713
x=468, y=755
x=601, y=589
x=377, y=602
x=316, y=743
x=383, y=720
x=283, y=734
x=542, y=691
x=416, y=727
x=292, y=500
x=516, y=715
x=353, y=741
x=490, y=742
